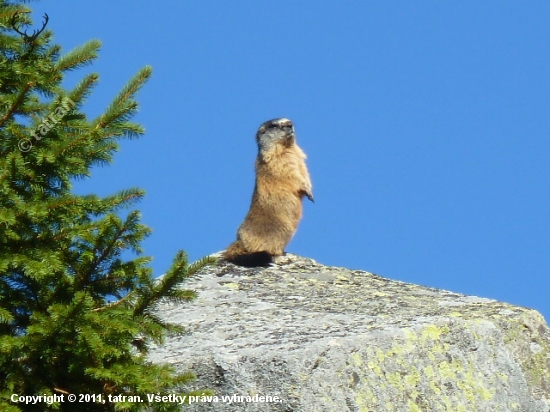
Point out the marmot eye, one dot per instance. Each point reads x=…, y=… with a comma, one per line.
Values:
x=272, y=126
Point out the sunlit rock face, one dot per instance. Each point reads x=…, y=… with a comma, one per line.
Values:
x=308, y=337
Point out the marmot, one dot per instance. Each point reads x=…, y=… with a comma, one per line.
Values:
x=282, y=180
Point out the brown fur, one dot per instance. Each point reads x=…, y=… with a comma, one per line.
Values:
x=282, y=180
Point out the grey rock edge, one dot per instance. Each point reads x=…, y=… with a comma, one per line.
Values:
x=332, y=339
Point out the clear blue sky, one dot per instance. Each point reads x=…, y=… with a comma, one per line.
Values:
x=426, y=126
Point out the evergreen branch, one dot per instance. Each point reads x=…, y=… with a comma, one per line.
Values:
x=79, y=56
x=174, y=275
x=180, y=296
x=52, y=53
x=72, y=144
x=154, y=319
x=5, y=316
x=171, y=278
x=131, y=130
x=165, y=287
x=199, y=264
x=124, y=198
x=114, y=304
x=61, y=391
x=116, y=235
x=9, y=10
x=115, y=116
x=101, y=153
x=20, y=98
x=65, y=201
x=83, y=88
x=122, y=103
x=96, y=206
x=133, y=85
x=107, y=250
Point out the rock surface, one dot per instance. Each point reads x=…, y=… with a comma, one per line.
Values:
x=321, y=338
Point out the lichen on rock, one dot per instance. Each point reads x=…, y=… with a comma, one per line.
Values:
x=324, y=338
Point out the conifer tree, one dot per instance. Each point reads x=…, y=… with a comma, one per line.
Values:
x=75, y=315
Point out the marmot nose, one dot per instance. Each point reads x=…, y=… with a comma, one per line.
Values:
x=288, y=129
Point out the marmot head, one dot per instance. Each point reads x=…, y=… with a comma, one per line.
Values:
x=275, y=132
